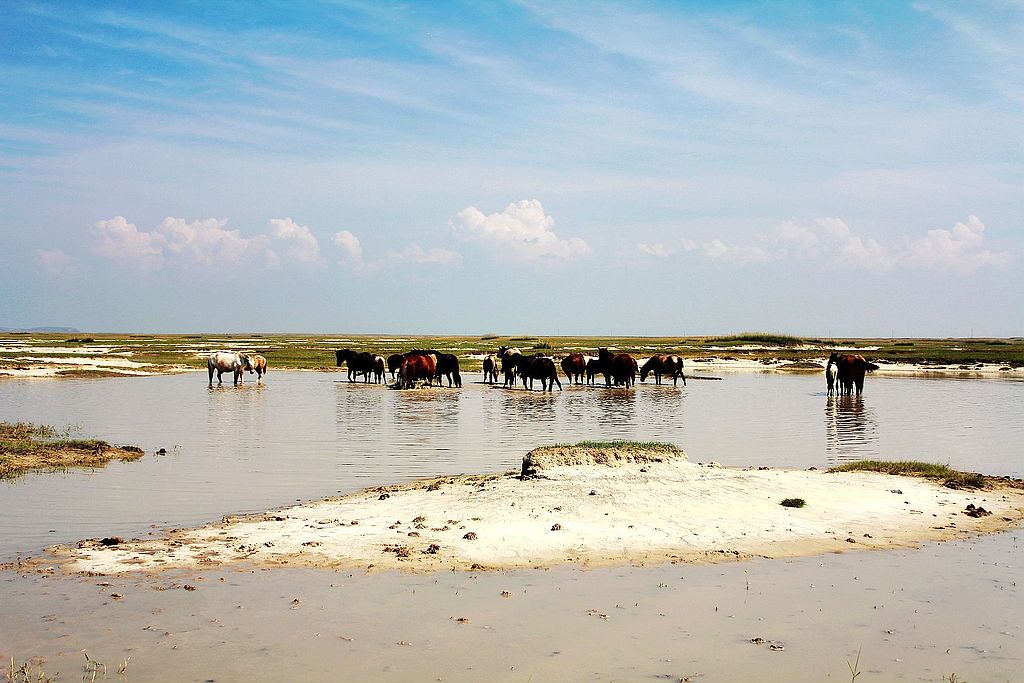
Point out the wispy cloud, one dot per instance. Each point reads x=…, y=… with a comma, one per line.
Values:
x=54, y=262
x=658, y=250
x=831, y=241
x=414, y=253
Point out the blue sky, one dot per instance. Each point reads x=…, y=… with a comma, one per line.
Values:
x=554, y=168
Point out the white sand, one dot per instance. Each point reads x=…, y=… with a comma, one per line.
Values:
x=630, y=513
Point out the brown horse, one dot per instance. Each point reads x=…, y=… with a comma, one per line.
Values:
x=574, y=366
x=416, y=367
x=660, y=364
x=259, y=366
x=539, y=367
x=379, y=365
x=593, y=368
x=850, y=371
x=619, y=366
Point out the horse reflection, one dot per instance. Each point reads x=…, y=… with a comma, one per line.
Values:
x=851, y=432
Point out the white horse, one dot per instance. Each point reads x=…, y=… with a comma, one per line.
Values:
x=228, y=361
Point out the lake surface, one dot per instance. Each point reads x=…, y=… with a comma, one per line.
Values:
x=308, y=435
x=910, y=615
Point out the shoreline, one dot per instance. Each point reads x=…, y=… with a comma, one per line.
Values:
x=633, y=512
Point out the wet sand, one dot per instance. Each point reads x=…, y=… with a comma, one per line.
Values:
x=588, y=511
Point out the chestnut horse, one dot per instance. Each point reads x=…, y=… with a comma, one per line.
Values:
x=259, y=366
x=416, y=367
x=661, y=364
x=574, y=366
x=619, y=366
x=593, y=368
x=850, y=371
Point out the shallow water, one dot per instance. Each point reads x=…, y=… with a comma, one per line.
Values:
x=309, y=435
x=915, y=615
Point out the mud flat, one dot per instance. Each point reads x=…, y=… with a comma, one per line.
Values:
x=585, y=506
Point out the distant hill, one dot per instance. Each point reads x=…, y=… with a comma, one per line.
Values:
x=38, y=329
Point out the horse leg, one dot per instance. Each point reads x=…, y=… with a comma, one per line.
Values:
x=211, y=375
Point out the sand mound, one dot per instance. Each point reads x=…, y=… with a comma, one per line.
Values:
x=612, y=454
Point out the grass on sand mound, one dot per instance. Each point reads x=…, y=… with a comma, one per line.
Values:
x=611, y=453
x=949, y=477
x=25, y=446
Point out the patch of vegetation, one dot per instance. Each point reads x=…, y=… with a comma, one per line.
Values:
x=543, y=345
x=521, y=339
x=25, y=446
x=903, y=344
x=760, y=338
x=793, y=503
x=488, y=337
x=624, y=445
x=951, y=478
x=79, y=340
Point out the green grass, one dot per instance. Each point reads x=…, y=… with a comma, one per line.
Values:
x=25, y=446
x=913, y=468
x=624, y=445
x=298, y=351
x=759, y=338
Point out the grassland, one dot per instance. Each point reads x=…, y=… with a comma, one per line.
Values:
x=25, y=447
x=162, y=353
x=954, y=479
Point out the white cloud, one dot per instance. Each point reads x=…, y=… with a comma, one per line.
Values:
x=349, y=244
x=959, y=250
x=522, y=230
x=303, y=246
x=414, y=253
x=204, y=241
x=54, y=262
x=658, y=250
x=716, y=249
x=177, y=241
x=122, y=242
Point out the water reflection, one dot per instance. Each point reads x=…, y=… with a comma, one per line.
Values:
x=851, y=432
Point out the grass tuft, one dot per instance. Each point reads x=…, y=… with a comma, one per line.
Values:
x=623, y=445
x=25, y=446
x=793, y=503
x=951, y=478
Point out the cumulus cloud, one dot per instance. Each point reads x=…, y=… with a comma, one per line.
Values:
x=414, y=253
x=832, y=241
x=302, y=245
x=658, y=250
x=961, y=249
x=122, y=242
x=54, y=262
x=522, y=230
x=350, y=247
x=177, y=241
x=205, y=241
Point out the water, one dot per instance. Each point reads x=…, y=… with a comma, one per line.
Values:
x=308, y=435
x=914, y=615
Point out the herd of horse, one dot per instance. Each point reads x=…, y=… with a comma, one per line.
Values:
x=427, y=366
x=844, y=373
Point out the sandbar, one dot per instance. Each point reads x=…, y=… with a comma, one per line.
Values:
x=585, y=508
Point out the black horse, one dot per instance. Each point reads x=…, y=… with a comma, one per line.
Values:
x=358, y=362
x=539, y=367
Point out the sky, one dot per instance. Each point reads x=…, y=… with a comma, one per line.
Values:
x=635, y=168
